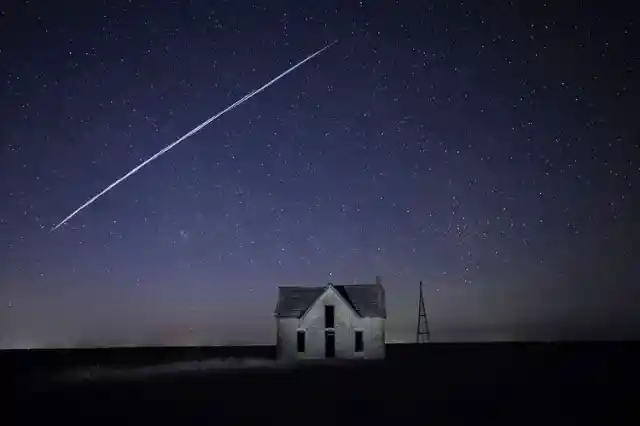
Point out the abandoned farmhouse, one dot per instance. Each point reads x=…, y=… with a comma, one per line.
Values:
x=332, y=321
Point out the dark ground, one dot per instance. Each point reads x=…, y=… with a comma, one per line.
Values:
x=440, y=383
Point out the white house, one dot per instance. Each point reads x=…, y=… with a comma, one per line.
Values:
x=333, y=321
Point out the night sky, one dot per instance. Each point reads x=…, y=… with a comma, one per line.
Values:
x=489, y=149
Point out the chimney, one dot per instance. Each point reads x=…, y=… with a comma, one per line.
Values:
x=380, y=294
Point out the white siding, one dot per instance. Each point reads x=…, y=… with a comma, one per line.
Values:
x=346, y=324
x=286, y=344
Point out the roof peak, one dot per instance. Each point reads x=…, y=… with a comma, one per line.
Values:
x=328, y=284
x=378, y=282
x=366, y=299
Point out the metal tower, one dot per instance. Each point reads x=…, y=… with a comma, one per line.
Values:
x=422, y=335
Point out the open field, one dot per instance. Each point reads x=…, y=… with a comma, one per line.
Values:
x=455, y=382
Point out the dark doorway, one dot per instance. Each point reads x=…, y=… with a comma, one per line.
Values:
x=329, y=344
x=301, y=341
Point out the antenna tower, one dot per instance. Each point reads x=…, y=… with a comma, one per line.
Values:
x=422, y=335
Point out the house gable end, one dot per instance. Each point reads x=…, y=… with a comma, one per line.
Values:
x=330, y=288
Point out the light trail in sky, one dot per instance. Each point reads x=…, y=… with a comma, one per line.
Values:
x=188, y=134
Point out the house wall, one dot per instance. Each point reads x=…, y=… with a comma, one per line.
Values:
x=346, y=323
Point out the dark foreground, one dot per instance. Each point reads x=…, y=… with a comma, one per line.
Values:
x=441, y=383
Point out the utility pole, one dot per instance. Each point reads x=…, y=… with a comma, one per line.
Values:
x=422, y=335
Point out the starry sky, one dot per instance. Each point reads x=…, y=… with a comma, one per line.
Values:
x=487, y=148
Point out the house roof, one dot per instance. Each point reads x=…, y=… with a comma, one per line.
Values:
x=367, y=300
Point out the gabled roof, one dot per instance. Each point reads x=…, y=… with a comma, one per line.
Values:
x=367, y=300
x=294, y=301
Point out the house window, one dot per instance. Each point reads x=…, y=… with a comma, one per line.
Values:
x=301, y=340
x=359, y=341
x=329, y=316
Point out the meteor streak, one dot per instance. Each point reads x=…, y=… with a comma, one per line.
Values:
x=187, y=135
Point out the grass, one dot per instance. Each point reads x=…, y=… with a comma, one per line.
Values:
x=435, y=381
